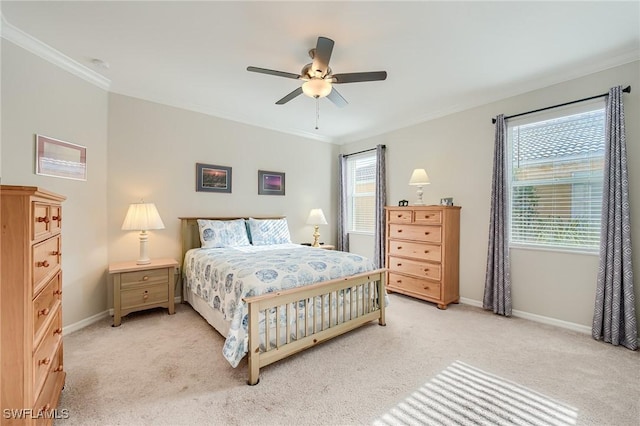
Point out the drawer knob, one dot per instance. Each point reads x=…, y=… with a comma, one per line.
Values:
x=45, y=408
x=426, y=251
x=426, y=233
x=43, y=312
x=58, y=369
x=145, y=278
x=43, y=264
x=399, y=215
x=399, y=231
x=45, y=361
x=426, y=269
x=426, y=288
x=56, y=253
x=145, y=296
x=399, y=247
x=398, y=281
x=399, y=264
x=44, y=219
x=57, y=292
x=58, y=218
x=57, y=331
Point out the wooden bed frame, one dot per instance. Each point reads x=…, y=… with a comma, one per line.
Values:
x=315, y=327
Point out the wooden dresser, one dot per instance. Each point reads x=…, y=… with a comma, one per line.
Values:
x=32, y=372
x=422, y=252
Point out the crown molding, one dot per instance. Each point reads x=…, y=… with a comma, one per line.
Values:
x=48, y=53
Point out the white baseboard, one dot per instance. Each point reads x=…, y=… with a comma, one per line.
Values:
x=537, y=318
x=84, y=323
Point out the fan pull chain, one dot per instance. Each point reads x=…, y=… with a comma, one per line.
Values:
x=317, y=111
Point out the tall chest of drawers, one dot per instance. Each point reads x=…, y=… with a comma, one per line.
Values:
x=32, y=371
x=422, y=252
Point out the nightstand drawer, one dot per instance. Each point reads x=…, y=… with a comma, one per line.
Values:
x=147, y=295
x=146, y=277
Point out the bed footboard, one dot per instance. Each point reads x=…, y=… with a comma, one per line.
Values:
x=299, y=318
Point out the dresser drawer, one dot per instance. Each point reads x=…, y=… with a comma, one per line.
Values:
x=43, y=357
x=45, y=305
x=426, y=217
x=141, y=296
x=414, y=285
x=414, y=267
x=41, y=216
x=46, y=259
x=47, y=399
x=400, y=216
x=432, y=234
x=415, y=250
x=146, y=277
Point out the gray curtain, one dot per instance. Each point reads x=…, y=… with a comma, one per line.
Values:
x=381, y=201
x=343, y=236
x=497, y=286
x=614, y=317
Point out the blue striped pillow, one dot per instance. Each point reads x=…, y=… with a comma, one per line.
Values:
x=269, y=231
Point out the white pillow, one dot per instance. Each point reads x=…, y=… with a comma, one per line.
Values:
x=269, y=231
x=222, y=233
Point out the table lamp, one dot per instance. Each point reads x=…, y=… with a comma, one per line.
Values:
x=142, y=217
x=419, y=178
x=316, y=217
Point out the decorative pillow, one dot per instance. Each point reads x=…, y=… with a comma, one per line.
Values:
x=222, y=233
x=269, y=231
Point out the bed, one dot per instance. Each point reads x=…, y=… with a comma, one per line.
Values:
x=268, y=297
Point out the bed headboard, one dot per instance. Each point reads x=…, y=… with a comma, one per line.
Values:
x=190, y=234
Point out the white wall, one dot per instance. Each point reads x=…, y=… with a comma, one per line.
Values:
x=153, y=151
x=457, y=152
x=38, y=97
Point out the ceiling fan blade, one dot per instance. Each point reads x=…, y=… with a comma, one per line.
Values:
x=321, y=58
x=356, y=77
x=337, y=98
x=273, y=72
x=290, y=96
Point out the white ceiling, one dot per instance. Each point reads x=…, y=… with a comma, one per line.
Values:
x=441, y=57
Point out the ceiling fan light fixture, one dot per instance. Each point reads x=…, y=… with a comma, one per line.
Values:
x=316, y=88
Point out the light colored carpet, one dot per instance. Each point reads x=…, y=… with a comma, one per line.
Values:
x=427, y=366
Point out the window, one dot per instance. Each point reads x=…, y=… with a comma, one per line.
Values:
x=361, y=192
x=555, y=171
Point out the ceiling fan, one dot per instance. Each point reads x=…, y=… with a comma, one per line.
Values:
x=319, y=78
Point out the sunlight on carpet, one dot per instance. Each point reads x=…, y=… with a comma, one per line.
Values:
x=464, y=395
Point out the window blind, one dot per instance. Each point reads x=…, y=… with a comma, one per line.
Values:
x=556, y=171
x=361, y=186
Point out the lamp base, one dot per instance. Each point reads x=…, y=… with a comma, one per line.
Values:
x=143, y=261
x=419, y=193
x=316, y=237
x=144, y=257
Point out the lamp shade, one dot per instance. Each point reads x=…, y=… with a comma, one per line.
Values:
x=419, y=177
x=316, y=217
x=141, y=217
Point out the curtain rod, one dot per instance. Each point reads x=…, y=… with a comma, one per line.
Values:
x=362, y=152
x=625, y=90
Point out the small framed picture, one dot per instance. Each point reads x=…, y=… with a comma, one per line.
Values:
x=270, y=183
x=60, y=159
x=446, y=201
x=211, y=178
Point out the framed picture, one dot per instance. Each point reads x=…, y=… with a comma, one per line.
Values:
x=210, y=178
x=60, y=159
x=270, y=183
x=446, y=201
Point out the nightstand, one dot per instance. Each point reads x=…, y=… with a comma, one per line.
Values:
x=139, y=287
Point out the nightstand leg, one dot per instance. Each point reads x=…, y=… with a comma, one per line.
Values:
x=116, y=301
x=172, y=288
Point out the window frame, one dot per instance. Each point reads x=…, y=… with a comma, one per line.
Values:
x=351, y=196
x=587, y=106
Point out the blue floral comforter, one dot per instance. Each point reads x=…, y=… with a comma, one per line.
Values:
x=224, y=276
